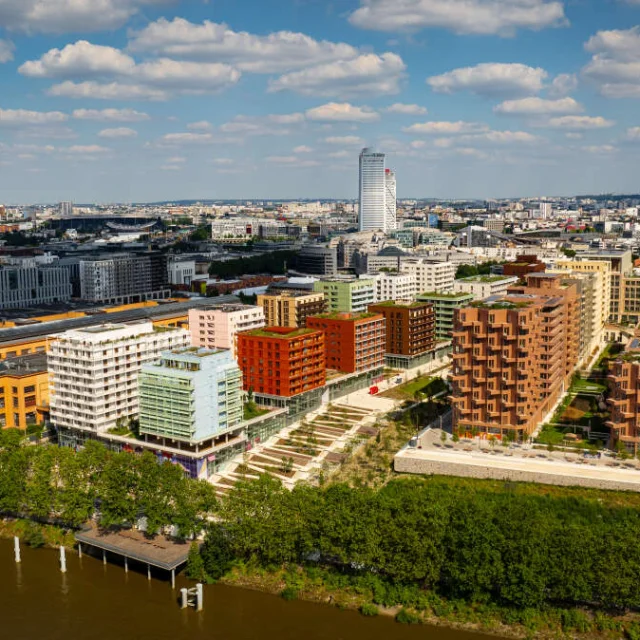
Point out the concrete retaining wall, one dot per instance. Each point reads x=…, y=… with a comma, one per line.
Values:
x=404, y=464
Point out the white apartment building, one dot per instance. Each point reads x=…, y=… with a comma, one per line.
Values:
x=216, y=326
x=93, y=372
x=431, y=276
x=390, y=202
x=395, y=286
x=484, y=286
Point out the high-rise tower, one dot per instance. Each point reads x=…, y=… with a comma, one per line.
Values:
x=390, y=200
x=372, y=213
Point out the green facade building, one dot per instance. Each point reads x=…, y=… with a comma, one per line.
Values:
x=444, y=305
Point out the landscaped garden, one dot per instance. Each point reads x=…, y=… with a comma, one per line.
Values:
x=427, y=386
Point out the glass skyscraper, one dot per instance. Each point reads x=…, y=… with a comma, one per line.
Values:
x=372, y=213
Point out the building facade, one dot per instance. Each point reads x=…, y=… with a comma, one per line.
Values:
x=354, y=342
x=317, y=259
x=395, y=286
x=347, y=295
x=509, y=364
x=94, y=372
x=410, y=328
x=372, y=214
x=484, y=286
x=32, y=286
x=216, y=326
x=24, y=391
x=624, y=398
x=444, y=306
x=122, y=279
x=190, y=395
x=390, y=203
x=431, y=275
x=182, y=272
x=282, y=361
x=290, y=309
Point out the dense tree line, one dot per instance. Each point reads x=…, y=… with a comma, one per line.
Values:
x=70, y=487
x=274, y=263
x=417, y=537
x=468, y=270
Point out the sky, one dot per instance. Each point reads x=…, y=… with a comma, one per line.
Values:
x=145, y=100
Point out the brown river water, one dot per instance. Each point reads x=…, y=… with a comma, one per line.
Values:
x=96, y=602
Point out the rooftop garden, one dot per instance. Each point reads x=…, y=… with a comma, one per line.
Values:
x=392, y=303
x=485, y=279
x=445, y=296
x=279, y=332
x=505, y=304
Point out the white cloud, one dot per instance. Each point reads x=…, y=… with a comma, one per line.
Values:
x=286, y=118
x=538, y=106
x=210, y=41
x=6, y=51
x=367, y=73
x=572, y=135
x=417, y=144
x=615, y=65
x=68, y=16
x=176, y=160
x=79, y=60
x=471, y=152
x=187, y=138
x=171, y=167
x=119, y=132
x=340, y=154
x=633, y=133
x=110, y=115
x=406, y=109
x=294, y=161
x=484, y=17
x=600, y=149
x=563, y=85
x=86, y=61
x=579, y=123
x=303, y=148
x=446, y=128
x=111, y=91
x=491, y=79
x=487, y=138
x=342, y=112
x=202, y=125
x=222, y=161
x=89, y=149
x=349, y=140
x=22, y=117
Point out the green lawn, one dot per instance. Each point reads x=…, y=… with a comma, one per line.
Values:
x=252, y=410
x=427, y=385
x=582, y=386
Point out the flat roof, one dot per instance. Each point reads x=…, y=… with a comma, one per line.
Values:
x=158, y=551
x=24, y=365
x=160, y=312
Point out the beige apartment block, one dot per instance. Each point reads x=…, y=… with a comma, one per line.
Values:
x=291, y=309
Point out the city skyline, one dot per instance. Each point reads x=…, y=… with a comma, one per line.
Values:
x=149, y=100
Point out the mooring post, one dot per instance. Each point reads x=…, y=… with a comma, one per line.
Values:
x=126, y=564
x=63, y=560
x=16, y=547
x=173, y=578
x=148, y=572
x=183, y=598
x=104, y=557
x=79, y=550
x=199, y=597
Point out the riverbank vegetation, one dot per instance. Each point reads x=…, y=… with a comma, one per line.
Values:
x=467, y=550
x=70, y=488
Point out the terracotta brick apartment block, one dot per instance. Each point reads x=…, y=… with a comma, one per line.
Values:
x=353, y=341
x=411, y=328
x=624, y=397
x=282, y=361
x=523, y=265
x=508, y=363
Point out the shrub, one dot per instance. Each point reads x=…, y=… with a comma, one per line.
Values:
x=33, y=536
x=407, y=617
x=369, y=609
x=289, y=593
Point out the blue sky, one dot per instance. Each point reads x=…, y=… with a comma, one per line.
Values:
x=142, y=100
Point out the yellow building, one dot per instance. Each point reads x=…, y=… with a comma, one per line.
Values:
x=24, y=391
x=289, y=309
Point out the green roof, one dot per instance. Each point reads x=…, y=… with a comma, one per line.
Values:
x=392, y=303
x=446, y=296
x=485, y=278
x=268, y=333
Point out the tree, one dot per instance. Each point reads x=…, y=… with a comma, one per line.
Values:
x=443, y=437
x=195, y=564
x=217, y=554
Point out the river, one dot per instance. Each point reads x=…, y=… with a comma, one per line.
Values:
x=96, y=602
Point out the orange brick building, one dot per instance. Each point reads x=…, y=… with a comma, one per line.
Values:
x=509, y=363
x=624, y=397
x=523, y=265
x=282, y=361
x=353, y=341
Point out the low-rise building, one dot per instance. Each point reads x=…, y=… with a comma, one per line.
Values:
x=483, y=286
x=290, y=309
x=282, y=361
x=354, y=342
x=347, y=294
x=444, y=306
x=94, y=372
x=216, y=326
x=181, y=272
x=24, y=391
x=523, y=265
x=191, y=395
